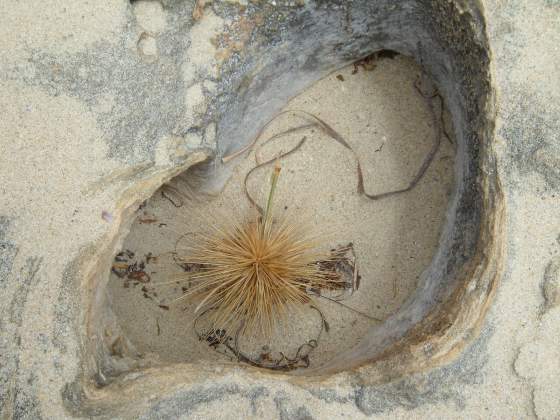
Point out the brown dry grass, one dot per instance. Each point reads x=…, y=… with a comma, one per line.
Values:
x=250, y=274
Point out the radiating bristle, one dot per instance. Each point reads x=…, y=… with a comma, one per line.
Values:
x=252, y=273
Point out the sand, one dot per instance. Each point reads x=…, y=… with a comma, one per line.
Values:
x=389, y=125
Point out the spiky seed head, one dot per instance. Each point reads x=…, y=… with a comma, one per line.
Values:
x=251, y=273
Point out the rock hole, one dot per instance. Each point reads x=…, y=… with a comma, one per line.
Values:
x=374, y=103
x=286, y=48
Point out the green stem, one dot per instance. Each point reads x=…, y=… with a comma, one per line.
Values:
x=273, y=182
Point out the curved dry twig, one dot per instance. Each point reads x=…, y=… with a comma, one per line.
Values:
x=427, y=160
x=317, y=122
x=348, y=307
x=220, y=338
x=246, y=179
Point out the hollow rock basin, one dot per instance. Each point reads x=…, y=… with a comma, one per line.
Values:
x=287, y=50
x=107, y=103
x=388, y=122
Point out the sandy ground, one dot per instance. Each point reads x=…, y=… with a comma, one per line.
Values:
x=388, y=124
x=60, y=136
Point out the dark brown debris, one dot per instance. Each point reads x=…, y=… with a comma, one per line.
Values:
x=369, y=63
x=147, y=220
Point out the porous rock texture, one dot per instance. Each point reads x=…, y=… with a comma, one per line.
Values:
x=104, y=101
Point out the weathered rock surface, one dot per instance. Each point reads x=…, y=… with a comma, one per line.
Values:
x=104, y=101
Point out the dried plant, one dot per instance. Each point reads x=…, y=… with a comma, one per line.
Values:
x=248, y=275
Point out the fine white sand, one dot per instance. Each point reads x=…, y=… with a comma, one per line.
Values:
x=389, y=125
